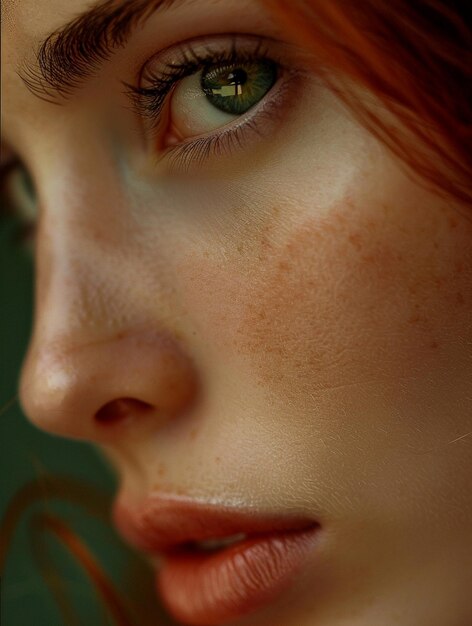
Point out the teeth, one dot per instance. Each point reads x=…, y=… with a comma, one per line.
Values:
x=216, y=544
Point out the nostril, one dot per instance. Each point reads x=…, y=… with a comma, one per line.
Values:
x=121, y=409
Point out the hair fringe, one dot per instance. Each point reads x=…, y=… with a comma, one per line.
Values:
x=415, y=58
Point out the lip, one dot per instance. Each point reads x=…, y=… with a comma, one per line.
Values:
x=214, y=588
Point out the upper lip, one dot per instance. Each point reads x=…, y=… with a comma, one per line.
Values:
x=163, y=522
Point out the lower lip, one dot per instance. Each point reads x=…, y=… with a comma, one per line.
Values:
x=212, y=589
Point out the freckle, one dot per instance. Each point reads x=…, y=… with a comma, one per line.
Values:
x=459, y=298
x=414, y=319
x=356, y=241
x=438, y=281
x=193, y=434
x=240, y=248
x=459, y=267
x=161, y=470
x=284, y=266
x=218, y=459
x=434, y=345
x=436, y=245
x=452, y=222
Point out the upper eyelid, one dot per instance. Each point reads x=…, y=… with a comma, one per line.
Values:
x=231, y=42
x=137, y=93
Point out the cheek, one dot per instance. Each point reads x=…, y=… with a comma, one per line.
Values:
x=336, y=301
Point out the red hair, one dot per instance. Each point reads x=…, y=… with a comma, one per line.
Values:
x=415, y=57
x=92, y=499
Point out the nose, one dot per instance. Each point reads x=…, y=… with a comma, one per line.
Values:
x=101, y=355
x=83, y=389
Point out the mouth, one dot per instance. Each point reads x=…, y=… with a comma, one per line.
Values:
x=217, y=563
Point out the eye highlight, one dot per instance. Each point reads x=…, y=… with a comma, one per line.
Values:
x=201, y=98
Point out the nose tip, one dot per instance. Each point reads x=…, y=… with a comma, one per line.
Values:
x=84, y=391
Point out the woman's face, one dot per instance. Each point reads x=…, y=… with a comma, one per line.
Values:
x=252, y=308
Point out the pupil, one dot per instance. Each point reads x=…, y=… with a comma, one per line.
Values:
x=237, y=77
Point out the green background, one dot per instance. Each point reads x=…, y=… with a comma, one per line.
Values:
x=29, y=456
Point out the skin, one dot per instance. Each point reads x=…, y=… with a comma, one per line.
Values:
x=290, y=325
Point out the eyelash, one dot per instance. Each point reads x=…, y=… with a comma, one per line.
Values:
x=149, y=102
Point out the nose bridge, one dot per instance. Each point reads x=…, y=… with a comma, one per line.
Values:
x=100, y=350
x=80, y=282
x=81, y=264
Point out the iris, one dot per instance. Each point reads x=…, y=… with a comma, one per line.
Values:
x=234, y=89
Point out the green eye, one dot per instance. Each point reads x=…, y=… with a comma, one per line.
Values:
x=234, y=89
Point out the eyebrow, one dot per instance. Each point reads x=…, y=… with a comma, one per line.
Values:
x=73, y=53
